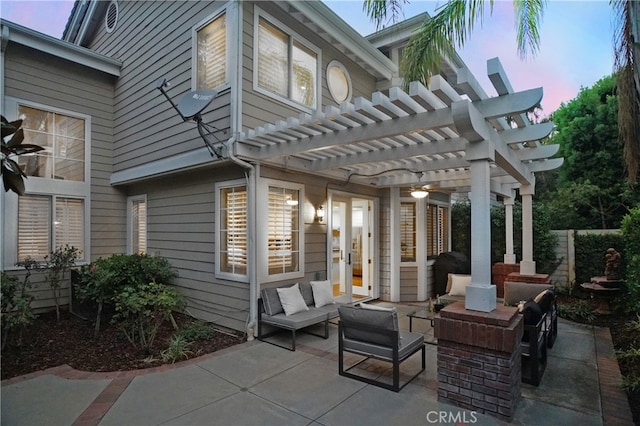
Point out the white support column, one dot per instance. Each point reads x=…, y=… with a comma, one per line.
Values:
x=509, y=255
x=480, y=294
x=394, y=223
x=527, y=265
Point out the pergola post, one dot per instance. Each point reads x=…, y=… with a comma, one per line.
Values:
x=480, y=294
x=509, y=255
x=527, y=265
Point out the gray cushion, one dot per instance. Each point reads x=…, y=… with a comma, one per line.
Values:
x=379, y=319
x=296, y=321
x=515, y=292
x=409, y=343
x=331, y=310
x=307, y=293
x=271, y=301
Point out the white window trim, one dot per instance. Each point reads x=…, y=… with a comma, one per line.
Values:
x=130, y=201
x=44, y=186
x=262, y=231
x=229, y=37
x=259, y=13
x=337, y=64
x=219, y=273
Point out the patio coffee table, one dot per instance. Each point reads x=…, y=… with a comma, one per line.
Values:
x=422, y=313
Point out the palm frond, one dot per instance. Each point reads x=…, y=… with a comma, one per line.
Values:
x=438, y=37
x=383, y=12
x=529, y=14
x=625, y=66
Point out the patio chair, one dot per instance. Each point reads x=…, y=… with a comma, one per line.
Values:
x=533, y=344
x=374, y=334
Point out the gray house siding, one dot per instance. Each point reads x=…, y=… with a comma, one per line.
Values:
x=146, y=127
x=181, y=227
x=408, y=283
x=32, y=76
x=259, y=108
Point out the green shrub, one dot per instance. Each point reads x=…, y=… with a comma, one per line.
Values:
x=141, y=309
x=544, y=241
x=105, y=279
x=630, y=228
x=178, y=349
x=197, y=331
x=579, y=310
x=16, y=307
x=590, y=251
x=59, y=263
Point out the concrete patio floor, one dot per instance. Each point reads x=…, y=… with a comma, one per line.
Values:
x=256, y=383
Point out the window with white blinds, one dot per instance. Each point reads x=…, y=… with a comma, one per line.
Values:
x=37, y=237
x=283, y=231
x=63, y=140
x=233, y=230
x=286, y=66
x=408, y=232
x=437, y=230
x=211, y=65
x=138, y=224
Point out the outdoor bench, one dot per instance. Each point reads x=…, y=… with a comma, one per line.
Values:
x=294, y=308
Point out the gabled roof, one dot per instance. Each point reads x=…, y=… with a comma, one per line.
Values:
x=18, y=34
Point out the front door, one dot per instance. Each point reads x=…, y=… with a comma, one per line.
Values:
x=351, y=245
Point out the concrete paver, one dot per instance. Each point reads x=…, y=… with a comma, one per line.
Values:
x=256, y=383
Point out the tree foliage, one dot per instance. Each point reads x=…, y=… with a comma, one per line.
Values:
x=12, y=174
x=589, y=191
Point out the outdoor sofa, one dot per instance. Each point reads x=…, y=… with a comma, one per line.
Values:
x=296, y=307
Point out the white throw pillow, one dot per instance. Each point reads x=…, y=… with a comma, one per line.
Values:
x=459, y=284
x=291, y=300
x=322, y=293
x=376, y=307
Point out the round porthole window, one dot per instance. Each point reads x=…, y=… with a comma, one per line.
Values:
x=111, y=18
x=339, y=82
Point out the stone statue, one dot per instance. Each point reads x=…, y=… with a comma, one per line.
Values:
x=612, y=267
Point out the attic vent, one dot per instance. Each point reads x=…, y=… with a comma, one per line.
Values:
x=111, y=18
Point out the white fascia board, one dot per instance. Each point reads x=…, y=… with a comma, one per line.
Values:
x=319, y=13
x=177, y=163
x=398, y=32
x=62, y=49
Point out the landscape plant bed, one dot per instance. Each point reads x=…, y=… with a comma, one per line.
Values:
x=48, y=343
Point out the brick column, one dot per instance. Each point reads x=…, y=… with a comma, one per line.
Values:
x=532, y=279
x=479, y=366
x=499, y=273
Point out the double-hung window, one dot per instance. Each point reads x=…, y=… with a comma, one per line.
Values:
x=283, y=230
x=54, y=210
x=286, y=66
x=232, y=230
x=137, y=224
x=210, y=52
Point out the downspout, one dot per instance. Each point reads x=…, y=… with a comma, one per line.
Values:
x=251, y=232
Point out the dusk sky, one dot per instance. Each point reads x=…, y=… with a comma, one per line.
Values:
x=576, y=49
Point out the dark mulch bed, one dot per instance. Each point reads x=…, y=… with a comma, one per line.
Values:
x=48, y=343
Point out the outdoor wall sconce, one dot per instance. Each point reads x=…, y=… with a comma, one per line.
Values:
x=319, y=214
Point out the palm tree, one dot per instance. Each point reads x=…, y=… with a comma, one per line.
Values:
x=454, y=21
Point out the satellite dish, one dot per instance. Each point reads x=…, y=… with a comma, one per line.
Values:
x=193, y=103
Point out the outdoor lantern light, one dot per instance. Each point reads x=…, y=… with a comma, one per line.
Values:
x=319, y=214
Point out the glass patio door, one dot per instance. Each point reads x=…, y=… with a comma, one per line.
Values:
x=351, y=248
